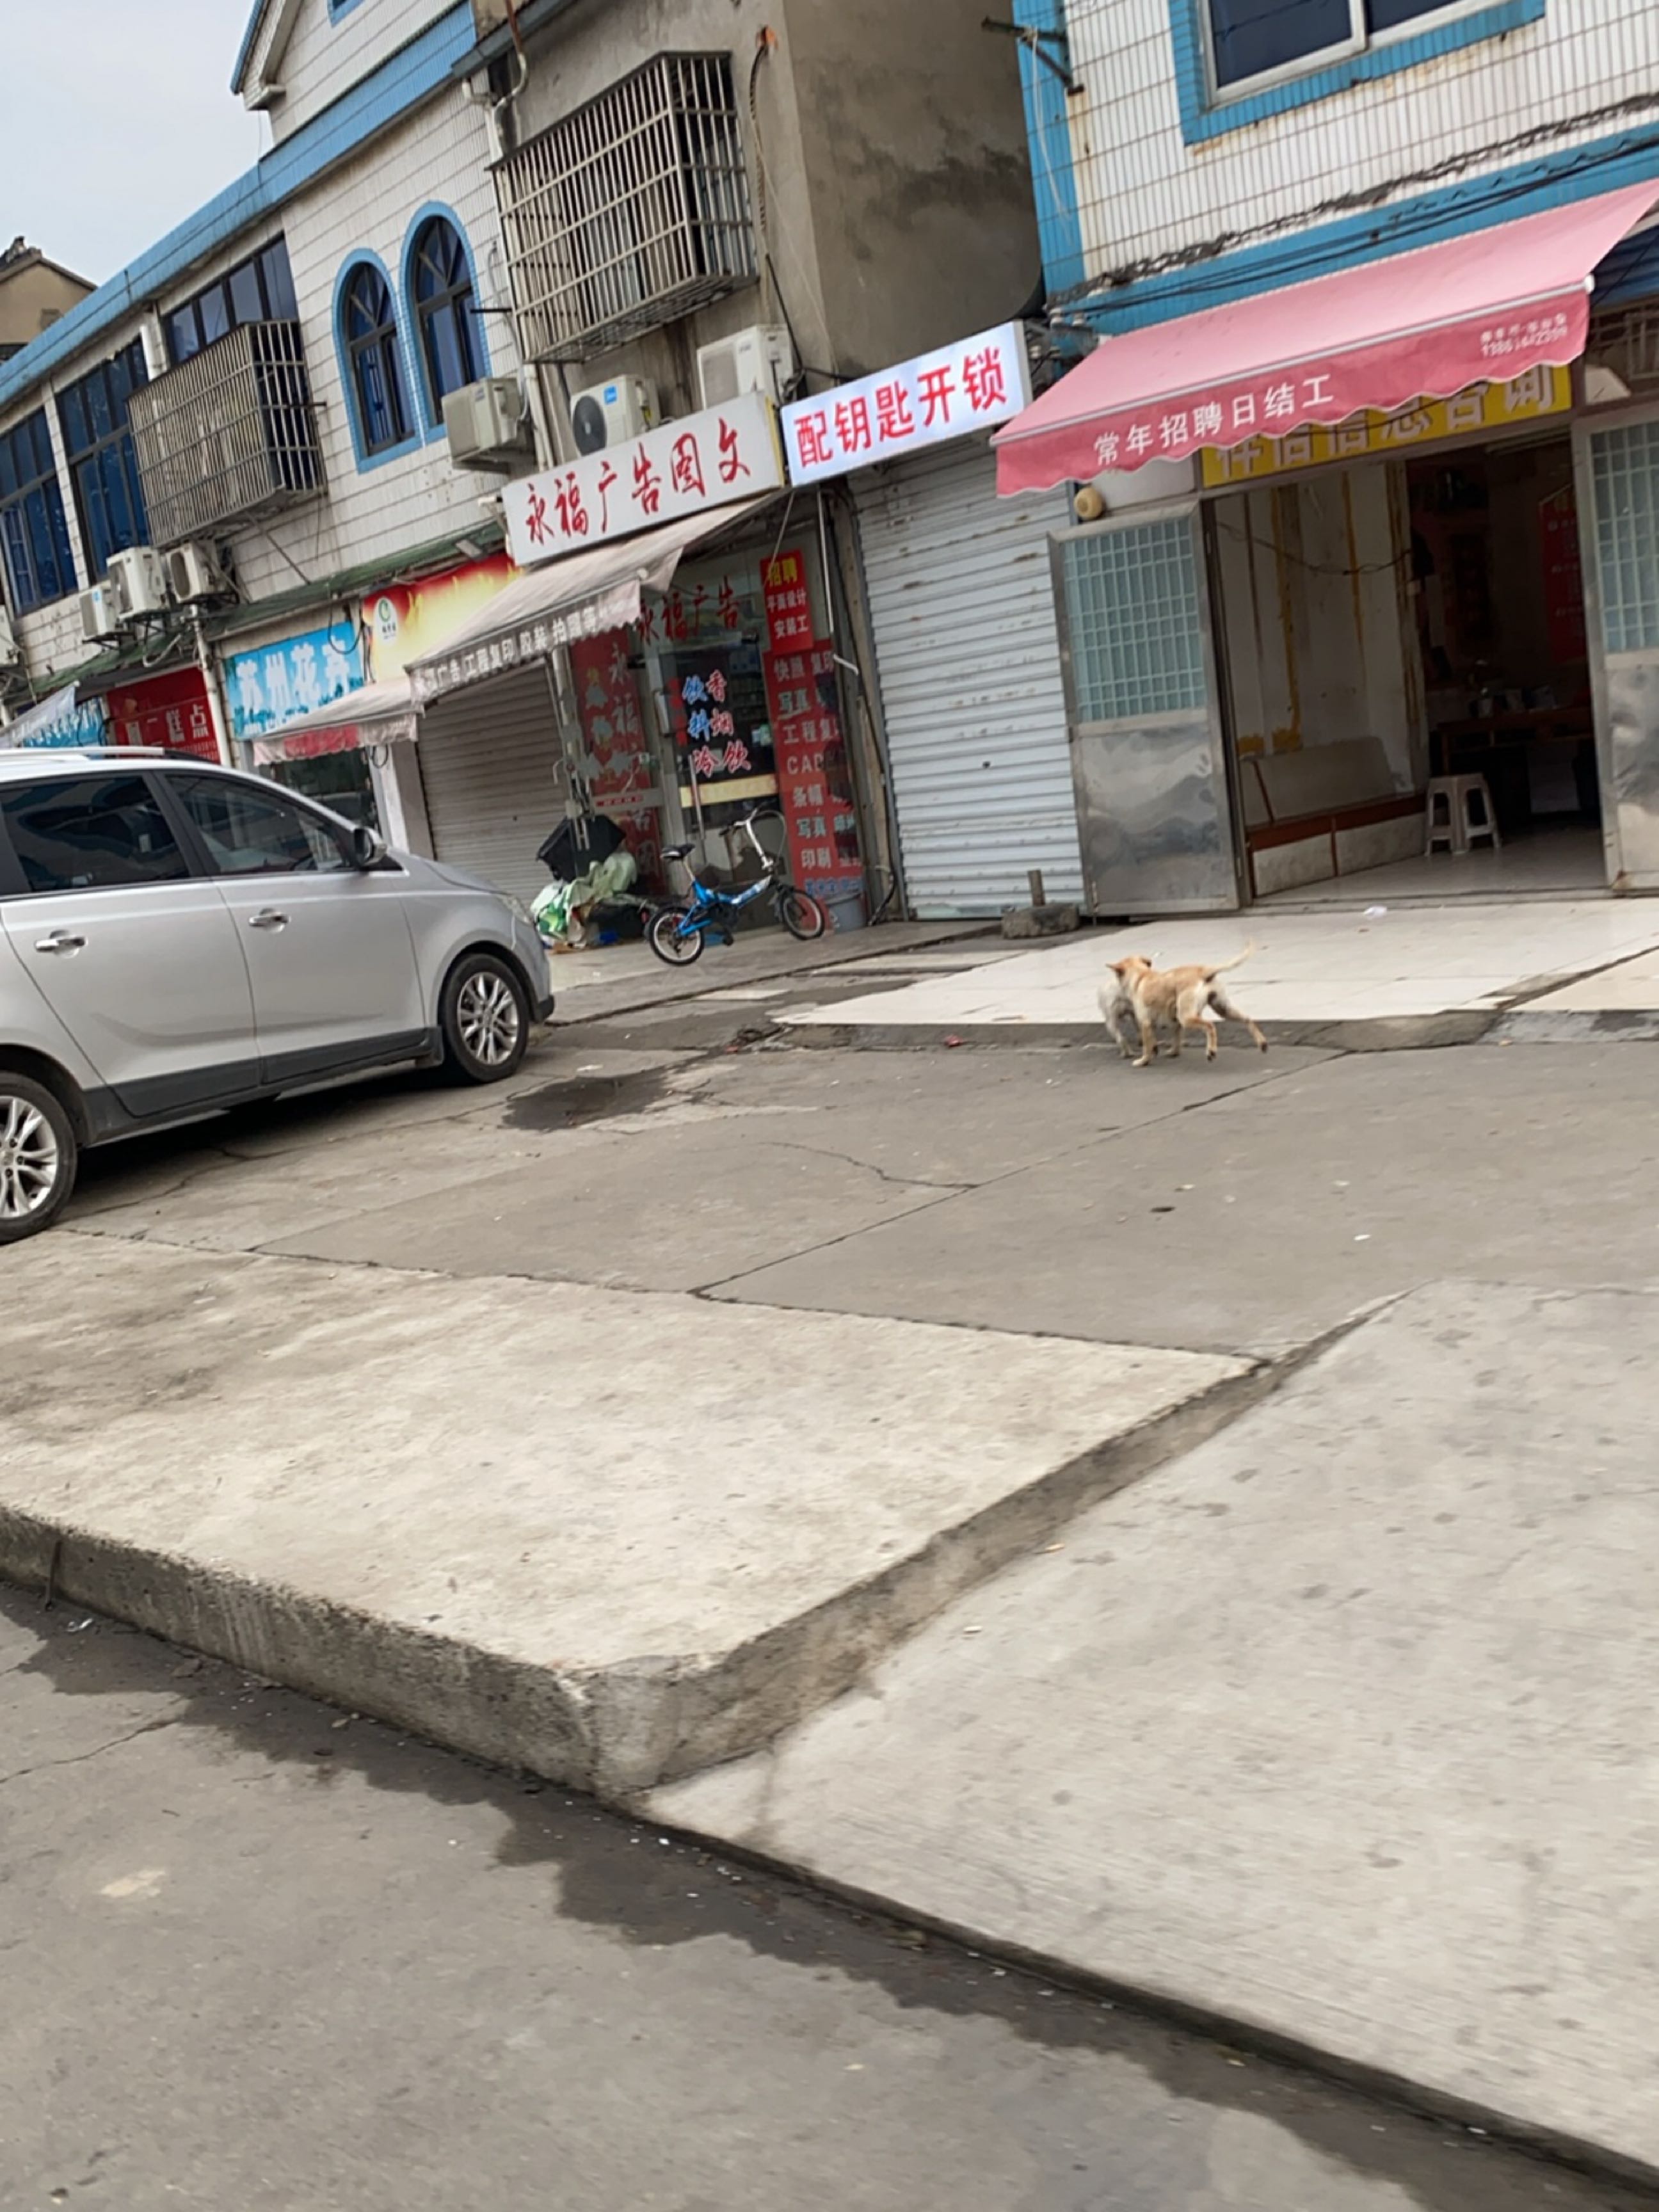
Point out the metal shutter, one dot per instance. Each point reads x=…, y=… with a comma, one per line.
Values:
x=492, y=771
x=962, y=604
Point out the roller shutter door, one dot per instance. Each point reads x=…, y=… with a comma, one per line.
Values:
x=961, y=605
x=492, y=771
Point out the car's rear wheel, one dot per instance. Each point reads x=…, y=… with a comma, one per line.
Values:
x=38, y=1155
x=485, y=1016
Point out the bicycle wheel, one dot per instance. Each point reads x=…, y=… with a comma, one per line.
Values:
x=664, y=936
x=800, y=913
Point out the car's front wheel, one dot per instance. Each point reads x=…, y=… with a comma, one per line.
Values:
x=38, y=1155
x=485, y=1017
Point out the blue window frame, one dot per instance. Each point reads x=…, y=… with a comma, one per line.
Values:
x=447, y=333
x=258, y=290
x=33, y=530
x=103, y=467
x=372, y=348
x=1238, y=62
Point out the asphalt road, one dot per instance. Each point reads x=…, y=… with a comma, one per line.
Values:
x=261, y=1955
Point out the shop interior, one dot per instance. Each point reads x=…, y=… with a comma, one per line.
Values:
x=1404, y=619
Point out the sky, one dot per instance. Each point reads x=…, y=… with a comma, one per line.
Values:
x=117, y=120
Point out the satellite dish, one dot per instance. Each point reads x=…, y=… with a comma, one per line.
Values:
x=588, y=426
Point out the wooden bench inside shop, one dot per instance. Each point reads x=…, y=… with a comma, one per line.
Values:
x=1329, y=810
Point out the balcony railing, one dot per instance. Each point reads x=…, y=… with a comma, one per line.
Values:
x=630, y=212
x=229, y=435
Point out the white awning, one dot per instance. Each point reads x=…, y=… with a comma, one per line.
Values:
x=581, y=596
x=373, y=714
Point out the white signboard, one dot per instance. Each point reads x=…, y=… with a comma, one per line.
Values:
x=971, y=386
x=709, y=460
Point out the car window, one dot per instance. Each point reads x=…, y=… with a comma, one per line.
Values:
x=250, y=832
x=70, y=833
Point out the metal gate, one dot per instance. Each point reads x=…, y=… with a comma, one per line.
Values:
x=1148, y=752
x=493, y=768
x=962, y=610
x=1617, y=477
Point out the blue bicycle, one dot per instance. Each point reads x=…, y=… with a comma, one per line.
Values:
x=678, y=933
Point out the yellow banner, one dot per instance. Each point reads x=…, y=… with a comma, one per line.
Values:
x=1472, y=414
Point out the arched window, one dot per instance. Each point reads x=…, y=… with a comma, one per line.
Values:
x=445, y=312
x=368, y=323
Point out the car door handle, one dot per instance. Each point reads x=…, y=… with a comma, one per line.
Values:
x=59, y=940
x=268, y=917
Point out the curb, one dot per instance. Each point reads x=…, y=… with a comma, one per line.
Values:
x=1390, y=1033
x=618, y=1730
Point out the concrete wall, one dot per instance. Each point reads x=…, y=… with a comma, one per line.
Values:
x=32, y=295
x=326, y=54
x=1142, y=190
x=1315, y=612
x=898, y=195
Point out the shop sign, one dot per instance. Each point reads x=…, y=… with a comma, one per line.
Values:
x=788, y=603
x=272, y=684
x=406, y=620
x=533, y=639
x=170, y=711
x=1476, y=412
x=814, y=780
x=1564, y=577
x=971, y=386
x=62, y=720
x=706, y=461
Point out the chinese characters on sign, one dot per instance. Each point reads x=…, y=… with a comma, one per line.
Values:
x=814, y=778
x=169, y=710
x=274, y=682
x=620, y=780
x=1564, y=577
x=788, y=605
x=704, y=460
x=971, y=386
x=60, y=720
x=1482, y=407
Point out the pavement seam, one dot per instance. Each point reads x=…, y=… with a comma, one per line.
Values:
x=80, y=1758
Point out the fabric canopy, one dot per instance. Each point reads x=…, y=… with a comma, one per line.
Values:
x=373, y=714
x=1482, y=308
x=582, y=595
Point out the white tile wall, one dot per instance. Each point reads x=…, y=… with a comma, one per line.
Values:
x=1143, y=190
x=324, y=59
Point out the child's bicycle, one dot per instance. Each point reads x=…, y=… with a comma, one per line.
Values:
x=677, y=933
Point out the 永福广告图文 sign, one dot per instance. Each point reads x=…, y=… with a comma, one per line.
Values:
x=706, y=461
x=971, y=386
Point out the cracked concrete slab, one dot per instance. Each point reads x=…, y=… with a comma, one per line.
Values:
x=1341, y=1727
x=607, y=1538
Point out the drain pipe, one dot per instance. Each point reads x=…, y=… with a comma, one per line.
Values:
x=218, y=711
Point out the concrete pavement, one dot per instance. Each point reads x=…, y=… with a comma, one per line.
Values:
x=257, y=1957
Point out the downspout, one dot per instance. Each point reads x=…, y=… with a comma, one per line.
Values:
x=217, y=709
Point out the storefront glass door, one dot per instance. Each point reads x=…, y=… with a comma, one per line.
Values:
x=1149, y=761
x=1618, y=473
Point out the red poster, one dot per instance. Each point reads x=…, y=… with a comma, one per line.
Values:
x=1564, y=577
x=613, y=735
x=814, y=784
x=788, y=607
x=166, y=710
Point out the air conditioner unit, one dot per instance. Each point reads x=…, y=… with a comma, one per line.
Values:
x=11, y=652
x=102, y=614
x=196, y=572
x=759, y=359
x=487, y=423
x=611, y=414
x=140, y=577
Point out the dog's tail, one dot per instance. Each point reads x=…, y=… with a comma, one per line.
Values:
x=1238, y=960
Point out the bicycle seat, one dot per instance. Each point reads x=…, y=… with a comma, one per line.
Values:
x=675, y=851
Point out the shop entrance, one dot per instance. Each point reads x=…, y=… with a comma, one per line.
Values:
x=1400, y=620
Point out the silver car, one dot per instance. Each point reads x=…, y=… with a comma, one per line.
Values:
x=176, y=938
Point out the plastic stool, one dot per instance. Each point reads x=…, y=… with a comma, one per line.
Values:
x=1451, y=795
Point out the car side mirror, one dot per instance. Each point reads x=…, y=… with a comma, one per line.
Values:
x=366, y=850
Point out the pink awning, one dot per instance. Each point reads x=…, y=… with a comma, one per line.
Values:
x=1482, y=308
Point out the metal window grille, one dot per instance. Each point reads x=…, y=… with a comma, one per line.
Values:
x=232, y=433
x=1624, y=468
x=1626, y=341
x=630, y=213
x=1131, y=607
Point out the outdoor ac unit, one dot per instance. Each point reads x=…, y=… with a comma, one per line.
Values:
x=759, y=359
x=11, y=652
x=487, y=423
x=102, y=614
x=140, y=577
x=194, y=573
x=611, y=414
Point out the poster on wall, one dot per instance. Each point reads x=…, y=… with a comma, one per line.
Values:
x=815, y=784
x=60, y=720
x=405, y=620
x=1563, y=578
x=270, y=685
x=622, y=779
x=723, y=728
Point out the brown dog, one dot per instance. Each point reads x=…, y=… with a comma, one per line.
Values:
x=1186, y=997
